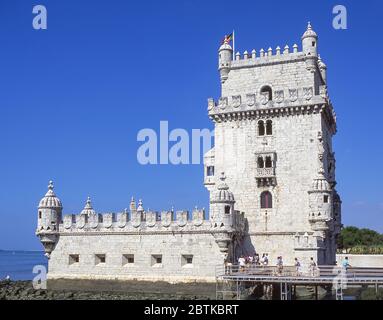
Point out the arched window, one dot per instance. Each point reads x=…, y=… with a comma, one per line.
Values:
x=268, y=162
x=268, y=90
x=261, y=128
x=269, y=127
x=266, y=200
x=227, y=209
x=260, y=162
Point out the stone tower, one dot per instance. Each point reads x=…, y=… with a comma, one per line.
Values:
x=274, y=124
x=49, y=218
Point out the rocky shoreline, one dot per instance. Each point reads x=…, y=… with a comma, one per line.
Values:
x=23, y=290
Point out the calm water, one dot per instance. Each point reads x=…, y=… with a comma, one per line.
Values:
x=19, y=264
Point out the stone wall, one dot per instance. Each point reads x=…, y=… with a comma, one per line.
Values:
x=145, y=247
x=362, y=260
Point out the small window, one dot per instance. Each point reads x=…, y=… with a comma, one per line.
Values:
x=261, y=128
x=260, y=163
x=187, y=260
x=227, y=209
x=313, y=43
x=74, y=258
x=268, y=162
x=127, y=259
x=269, y=127
x=266, y=200
x=156, y=260
x=100, y=259
x=325, y=198
x=210, y=171
x=269, y=91
x=39, y=214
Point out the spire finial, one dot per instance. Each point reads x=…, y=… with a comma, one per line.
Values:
x=309, y=25
x=88, y=204
x=50, y=185
x=223, y=177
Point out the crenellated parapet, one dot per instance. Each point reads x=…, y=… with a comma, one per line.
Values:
x=254, y=105
x=267, y=57
x=151, y=221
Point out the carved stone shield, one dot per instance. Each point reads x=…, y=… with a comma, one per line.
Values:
x=222, y=103
x=279, y=96
x=308, y=93
x=136, y=220
x=264, y=97
x=68, y=221
x=236, y=100
x=210, y=104
x=122, y=219
x=250, y=100
x=93, y=221
x=107, y=219
x=80, y=221
x=182, y=218
x=150, y=219
x=293, y=95
x=197, y=217
x=166, y=218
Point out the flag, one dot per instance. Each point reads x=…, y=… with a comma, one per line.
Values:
x=228, y=38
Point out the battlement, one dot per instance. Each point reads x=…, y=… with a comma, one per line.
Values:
x=138, y=221
x=147, y=221
x=265, y=57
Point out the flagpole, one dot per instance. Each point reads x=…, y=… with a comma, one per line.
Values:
x=233, y=45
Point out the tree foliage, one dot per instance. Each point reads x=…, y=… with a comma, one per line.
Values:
x=351, y=237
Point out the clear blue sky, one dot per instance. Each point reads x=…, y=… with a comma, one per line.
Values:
x=73, y=97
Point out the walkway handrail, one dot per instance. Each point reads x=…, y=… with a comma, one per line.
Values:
x=292, y=271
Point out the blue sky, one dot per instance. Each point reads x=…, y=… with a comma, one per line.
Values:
x=73, y=97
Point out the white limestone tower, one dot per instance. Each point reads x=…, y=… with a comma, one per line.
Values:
x=49, y=218
x=274, y=124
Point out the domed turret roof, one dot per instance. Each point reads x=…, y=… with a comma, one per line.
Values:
x=50, y=199
x=320, y=183
x=223, y=194
x=88, y=209
x=225, y=46
x=309, y=32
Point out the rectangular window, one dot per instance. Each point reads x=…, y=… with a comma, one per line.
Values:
x=100, y=259
x=74, y=258
x=156, y=260
x=187, y=260
x=210, y=171
x=325, y=199
x=127, y=259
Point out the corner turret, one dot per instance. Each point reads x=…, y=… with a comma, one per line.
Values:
x=225, y=57
x=49, y=218
x=310, y=47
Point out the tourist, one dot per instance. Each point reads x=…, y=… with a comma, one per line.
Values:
x=297, y=265
x=228, y=266
x=312, y=267
x=279, y=265
x=266, y=260
x=242, y=263
x=256, y=260
x=346, y=263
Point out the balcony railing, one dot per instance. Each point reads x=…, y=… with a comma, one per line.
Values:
x=265, y=172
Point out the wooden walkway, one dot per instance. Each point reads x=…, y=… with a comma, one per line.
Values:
x=287, y=277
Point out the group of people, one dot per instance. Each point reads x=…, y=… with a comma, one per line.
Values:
x=253, y=260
